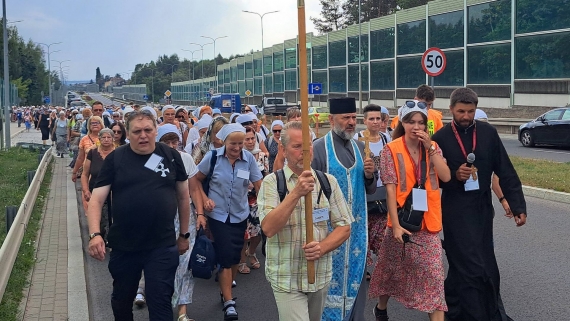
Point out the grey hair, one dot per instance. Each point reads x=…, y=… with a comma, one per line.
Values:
x=106, y=131
x=285, y=131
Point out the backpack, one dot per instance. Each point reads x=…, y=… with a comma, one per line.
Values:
x=203, y=257
x=323, y=181
x=206, y=182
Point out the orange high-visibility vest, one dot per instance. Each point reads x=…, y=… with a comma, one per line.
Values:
x=407, y=180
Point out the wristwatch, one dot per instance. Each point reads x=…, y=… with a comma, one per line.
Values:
x=431, y=149
x=92, y=235
x=185, y=235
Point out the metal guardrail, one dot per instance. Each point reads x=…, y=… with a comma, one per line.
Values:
x=11, y=245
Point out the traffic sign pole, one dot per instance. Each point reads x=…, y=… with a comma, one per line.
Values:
x=433, y=63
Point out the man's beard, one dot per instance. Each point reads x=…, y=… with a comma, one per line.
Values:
x=344, y=134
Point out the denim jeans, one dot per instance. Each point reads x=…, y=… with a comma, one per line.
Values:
x=159, y=266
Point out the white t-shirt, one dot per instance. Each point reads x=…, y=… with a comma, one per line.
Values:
x=376, y=148
x=193, y=134
x=189, y=165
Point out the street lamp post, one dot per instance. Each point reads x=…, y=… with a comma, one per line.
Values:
x=215, y=62
x=262, y=57
x=172, y=72
x=60, y=69
x=192, y=63
x=202, y=47
x=49, y=65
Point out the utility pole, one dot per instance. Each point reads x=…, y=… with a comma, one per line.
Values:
x=262, y=56
x=202, y=47
x=6, y=77
x=215, y=62
x=49, y=64
x=192, y=64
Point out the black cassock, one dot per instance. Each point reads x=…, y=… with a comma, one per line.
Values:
x=472, y=287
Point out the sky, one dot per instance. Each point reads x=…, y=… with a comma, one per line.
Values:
x=115, y=35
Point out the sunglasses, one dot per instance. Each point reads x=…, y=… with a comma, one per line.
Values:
x=95, y=123
x=277, y=130
x=412, y=104
x=117, y=131
x=247, y=110
x=115, y=116
x=98, y=110
x=180, y=116
x=247, y=123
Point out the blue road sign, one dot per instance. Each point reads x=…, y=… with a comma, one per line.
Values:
x=315, y=89
x=46, y=100
x=145, y=97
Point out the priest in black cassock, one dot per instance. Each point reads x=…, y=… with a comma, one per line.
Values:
x=472, y=287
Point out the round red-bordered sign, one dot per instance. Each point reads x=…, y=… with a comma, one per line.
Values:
x=434, y=61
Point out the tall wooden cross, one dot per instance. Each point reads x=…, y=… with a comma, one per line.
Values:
x=366, y=140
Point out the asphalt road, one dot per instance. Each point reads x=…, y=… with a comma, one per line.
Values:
x=106, y=101
x=514, y=147
x=533, y=260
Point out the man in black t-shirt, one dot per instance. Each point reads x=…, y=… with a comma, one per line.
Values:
x=149, y=183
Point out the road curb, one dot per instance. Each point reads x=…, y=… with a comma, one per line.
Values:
x=77, y=304
x=546, y=194
x=17, y=133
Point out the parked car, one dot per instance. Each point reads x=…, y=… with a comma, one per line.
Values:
x=550, y=128
x=323, y=115
x=275, y=106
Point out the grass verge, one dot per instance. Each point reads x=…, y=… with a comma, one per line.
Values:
x=26, y=255
x=14, y=166
x=543, y=173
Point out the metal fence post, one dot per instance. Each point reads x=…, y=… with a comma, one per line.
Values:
x=31, y=175
x=11, y=212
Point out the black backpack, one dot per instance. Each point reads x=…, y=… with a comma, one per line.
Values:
x=323, y=181
x=206, y=182
x=203, y=257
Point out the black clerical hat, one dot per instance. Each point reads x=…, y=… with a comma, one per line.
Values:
x=344, y=105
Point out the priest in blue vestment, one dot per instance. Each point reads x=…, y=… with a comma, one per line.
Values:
x=339, y=155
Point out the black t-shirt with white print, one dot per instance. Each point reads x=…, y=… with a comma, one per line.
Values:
x=144, y=200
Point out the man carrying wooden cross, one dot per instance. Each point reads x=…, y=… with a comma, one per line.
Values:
x=282, y=218
x=339, y=155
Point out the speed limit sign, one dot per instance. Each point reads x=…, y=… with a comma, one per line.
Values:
x=433, y=61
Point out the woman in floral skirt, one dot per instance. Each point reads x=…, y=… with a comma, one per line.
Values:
x=410, y=264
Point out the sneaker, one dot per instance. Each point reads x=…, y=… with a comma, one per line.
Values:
x=234, y=284
x=230, y=312
x=380, y=315
x=184, y=317
x=140, y=300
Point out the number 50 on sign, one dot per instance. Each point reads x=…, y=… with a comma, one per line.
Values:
x=434, y=61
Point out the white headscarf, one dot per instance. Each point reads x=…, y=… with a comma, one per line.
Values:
x=167, y=129
x=204, y=122
x=276, y=123
x=228, y=129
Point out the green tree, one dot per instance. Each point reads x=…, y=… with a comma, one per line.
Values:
x=333, y=17
x=23, y=86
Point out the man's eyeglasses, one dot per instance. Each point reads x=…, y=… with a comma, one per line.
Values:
x=277, y=130
x=412, y=104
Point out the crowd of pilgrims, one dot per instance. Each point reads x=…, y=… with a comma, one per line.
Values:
x=90, y=134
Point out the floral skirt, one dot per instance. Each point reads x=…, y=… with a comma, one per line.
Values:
x=412, y=274
x=376, y=231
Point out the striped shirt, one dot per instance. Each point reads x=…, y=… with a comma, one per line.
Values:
x=286, y=266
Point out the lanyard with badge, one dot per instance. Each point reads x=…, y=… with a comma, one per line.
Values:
x=320, y=214
x=419, y=193
x=472, y=184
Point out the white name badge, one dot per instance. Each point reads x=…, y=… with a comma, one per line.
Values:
x=471, y=184
x=242, y=174
x=320, y=214
x=419, y=199
x=379, y=182
x=153, y=161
